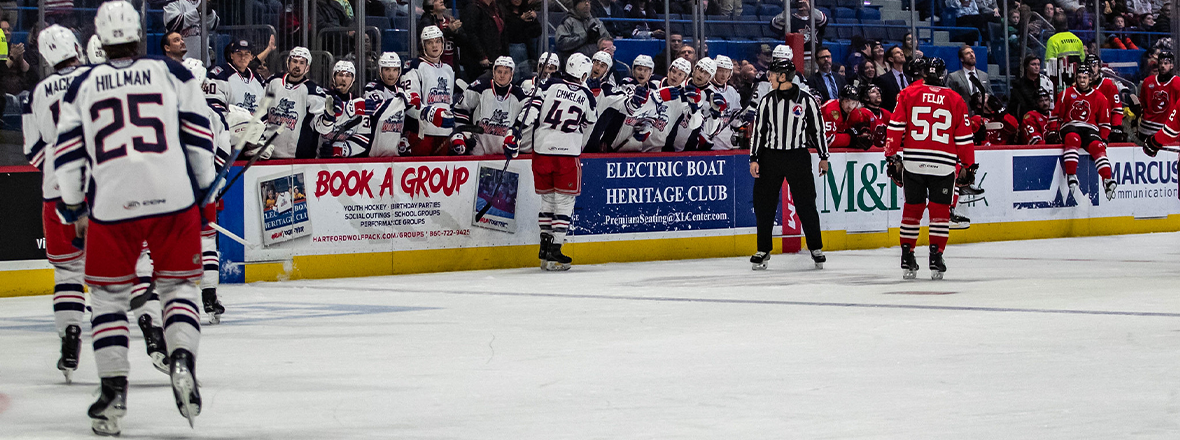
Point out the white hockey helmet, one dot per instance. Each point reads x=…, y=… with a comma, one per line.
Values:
x=117, y=22
x=431, y=32
x=782, y=52
x=300, y=52
x=603, y=57
x=550, y=59
x=344, y=66
x=94, y=52
x=683, y=65
x=196, y=67
x=506, y=62
x=708, y=65
x=58, y=44
x=723, y=62
x=643, y=60
x=390, y=59
x=578, y=66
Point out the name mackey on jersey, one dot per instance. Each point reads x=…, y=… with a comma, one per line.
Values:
x=41, y=111
x=138, y=128
x=565, y=109
x=931, y=124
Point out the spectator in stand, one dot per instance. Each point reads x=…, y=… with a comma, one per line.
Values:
x=644, y=10
x=968, y=81
x=861, y=50
x=866, y=77
x=579, y=32
x=173, y=46
x=1026, y=89
x=689, y=53
x=967, y=13
x=892, y=80
x=1138, y=8
x=1163, y=23
x=801, y=23
x=521, y=27
x=762, y=59
x=1112, y=9
x=879, y=57
x=681, y=6
x=610, y=9
x=728, y=8
x=909, y=47
x=675, y=40
x=1117, y=39
x=184, y=16
x=436, y=13
x=618, y=69
x=15, y=74
x=825, y=83
x=1146, y=22
x=483, y=26
x=1082, y=19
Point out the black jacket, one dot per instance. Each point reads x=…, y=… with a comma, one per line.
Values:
x=516, y=29
x=1023, y=96
x=482, y=35
x=889, y=89
x=816, y=82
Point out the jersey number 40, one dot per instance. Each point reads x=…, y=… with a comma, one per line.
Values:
x=120, y=119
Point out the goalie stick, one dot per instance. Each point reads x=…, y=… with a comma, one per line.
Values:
x=213, y=194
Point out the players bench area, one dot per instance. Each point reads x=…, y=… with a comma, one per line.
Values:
x=366, y=217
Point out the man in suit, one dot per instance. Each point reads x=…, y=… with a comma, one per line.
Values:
x=892, y=81
x=968, y=80
x=825, y=83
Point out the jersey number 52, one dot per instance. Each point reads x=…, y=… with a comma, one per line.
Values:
x=931, y=123
x=120, y=119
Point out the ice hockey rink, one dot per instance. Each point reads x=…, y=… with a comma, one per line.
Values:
x=1049, y=339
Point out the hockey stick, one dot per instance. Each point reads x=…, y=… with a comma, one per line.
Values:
x=249, y=164
x=213, y=194
x=231, y=235
x=524, y=117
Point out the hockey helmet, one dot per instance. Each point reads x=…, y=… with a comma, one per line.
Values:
x=578, y=66
x=1042, y=93
x=196, y=67
x=708, y=65
x=1167, y=54
x=914, y=68
x=344, y=66
x=643, y=61
x=549, y=59
x=934, y=73
x=117, y=22
x=782, y=52
x=431, y=32
x=1094, y=61
x=783, y=66
x=94, y=52
x=58, y=44
x=994, y=105
x=682, y=65
x=724, y=62
x=505, y=62
x=390, y=59
x=300, y=52
x=1084, y=68
x=603, y=57
x=849, y=91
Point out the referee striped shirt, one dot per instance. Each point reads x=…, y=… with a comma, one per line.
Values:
x=788, y=120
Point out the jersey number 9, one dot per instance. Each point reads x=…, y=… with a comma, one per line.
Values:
x=118, y=122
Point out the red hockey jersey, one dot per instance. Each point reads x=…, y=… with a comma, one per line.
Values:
x=880, y=126
x=999, y=130
x=1037, y=129
x=836, y=123
x=1077, y=109
x=1110, y=91
x=930, y=124
x=1171, y=129
x=1156, y=98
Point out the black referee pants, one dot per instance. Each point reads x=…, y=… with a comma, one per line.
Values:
x=795, y=167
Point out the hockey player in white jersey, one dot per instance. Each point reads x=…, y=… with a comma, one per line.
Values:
x=184, y=16
x=601, y=75
x=235, y=82
x=493, y=104
x=549, y=64
x=298, y=107
x=389, y=75
x=131, y=135
x=704, y=107
x=561, y=113
x=430, y=85
x=350, y=135
x=719, y=131
x=388, y=119
x=653, y=124
x=94, y=52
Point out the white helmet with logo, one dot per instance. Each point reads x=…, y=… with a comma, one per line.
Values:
x=550, y=59
x=344, y=66
x=708, y=65
x=578, y=66
x=117, y=22
x=431, y=32
x=300, y=52
x=390, y=59
x=506, y=62
x=58, y=44
x=94, y=52
x=782, y=52
x=603, y=57
x=196, y=67
x=643, y=60
x=683, y=65
x=724, y=62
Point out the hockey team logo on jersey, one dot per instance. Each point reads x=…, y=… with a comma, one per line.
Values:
x=797, y=110
x=440, y=93
x=249, y=101
x=284, y=114
x=1160, y=100
x=1040, y=183
x=394, y=123
x=1080, y=111
x=497, y=124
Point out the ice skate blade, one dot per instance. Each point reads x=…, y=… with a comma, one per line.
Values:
x=936, y=275
x=759, y=266
x=214, y=318
x=819, y=266
x=959, y=226
x=554, y=266
x=69, y=374
x=160, y=361
x=183, y=385
x=909, y=274
x=106, y=428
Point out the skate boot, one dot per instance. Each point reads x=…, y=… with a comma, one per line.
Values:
x=759, y=260
x=937, y=266
x=819, y=258
x=543, y=254
x=110, y=407
x=557, y=261
x=153, y=338
x=213, y=307
x=970, y=190
x=1110, y=186
x=909, y=264
x=71, y=345
x=184, y=384
x=959, y=222
x=1072, y=179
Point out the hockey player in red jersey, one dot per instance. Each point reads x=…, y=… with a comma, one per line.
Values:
x=1110, y=91
x=929, y=136
x=880, y=124
x=847, y=124
x=1084, y=116
x=991, y=123
x=1156, y=95
x=1037, y=126
x=134, y=153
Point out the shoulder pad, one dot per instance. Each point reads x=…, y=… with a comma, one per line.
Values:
x=178, y=70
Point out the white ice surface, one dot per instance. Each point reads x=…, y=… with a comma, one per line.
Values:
x=1053, y=339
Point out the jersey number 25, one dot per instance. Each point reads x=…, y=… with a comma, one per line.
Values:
x=134, y=116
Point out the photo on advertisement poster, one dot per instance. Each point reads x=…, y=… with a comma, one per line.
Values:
x=283, y=199
x=502, y=195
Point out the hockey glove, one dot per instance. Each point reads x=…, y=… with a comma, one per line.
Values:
x=593, y=84
x=1117, y=135
x=511, y=149
x=895, y=169
x=750, y=115
x=438, y=116
x=414, y=100
x=862, y=138
x=403, y=146
x=1151, y=147
x=70, y=214
x=967, y=175
x=638, y=99
x=458, y=145
x=642, y=131
x=669, y=93
x=719, y=105
x=703, y=143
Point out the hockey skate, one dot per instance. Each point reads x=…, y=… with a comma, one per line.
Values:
x=959, y=222
x=759, y=260
x=153, y=338
x=555, y=260
x=937, y=266
x=213, y=307
x=819, y=258
x=543, y=253
x=71, y=345
x=909, y=264
x=1072, y=180
x=110, y=406
x=1110, y=186
x=184, y=385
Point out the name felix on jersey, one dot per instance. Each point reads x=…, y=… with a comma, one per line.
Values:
x=123, y=78
x=933, y=98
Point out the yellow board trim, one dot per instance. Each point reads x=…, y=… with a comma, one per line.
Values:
x=40, y=281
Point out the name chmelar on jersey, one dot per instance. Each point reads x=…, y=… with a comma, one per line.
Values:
x=572, y=94
x=123, y=78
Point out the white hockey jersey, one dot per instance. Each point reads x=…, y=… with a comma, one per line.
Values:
x=433, y=86
x=298, y=107
x=689, y=124
x=228, y=86
x=388, y=120
x=561, y=113
x=492, y=108
x=138, y=127
x=661, y=117
x=40, y=114
x=719, y=131
x=184, y=16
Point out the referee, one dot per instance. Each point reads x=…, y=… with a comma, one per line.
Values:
x=787, y=122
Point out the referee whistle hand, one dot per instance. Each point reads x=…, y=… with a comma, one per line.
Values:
x=754, y=169
x=823, y=167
